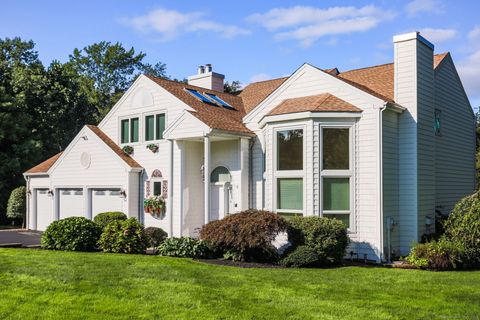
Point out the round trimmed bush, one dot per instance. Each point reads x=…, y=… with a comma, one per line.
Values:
x=123, y=236
x=104, y=218
x=71, y=234
x=16, y=206
x=302, y=257
x=184, y=247
x=463, y=227
x=155, y=236
x=246, y=236
x=328, y=237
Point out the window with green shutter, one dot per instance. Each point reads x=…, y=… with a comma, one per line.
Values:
x=149, y=128
x=290, y=194
x=160, y=125
x=134, y=126
x=125, y=131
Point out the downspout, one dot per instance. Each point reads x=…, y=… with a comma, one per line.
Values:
x=251, y=142
x=380, y=178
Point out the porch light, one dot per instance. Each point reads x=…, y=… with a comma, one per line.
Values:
x=50, y=193
x=123, y=194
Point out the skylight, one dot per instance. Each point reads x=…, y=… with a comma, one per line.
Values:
x=198, y=95
x=218, y=100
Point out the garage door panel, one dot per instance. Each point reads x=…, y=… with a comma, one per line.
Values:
x=106, y=199
x=71, y=203
x=43, y=210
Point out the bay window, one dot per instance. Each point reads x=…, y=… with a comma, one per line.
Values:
x=289, y=171
x=336, y=174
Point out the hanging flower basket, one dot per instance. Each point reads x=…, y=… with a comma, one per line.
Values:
x=154, y=205
x=128, y=150
x=153, y=147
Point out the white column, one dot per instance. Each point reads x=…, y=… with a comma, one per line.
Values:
x=170, y=187
x=206, y=178
x=245, y=176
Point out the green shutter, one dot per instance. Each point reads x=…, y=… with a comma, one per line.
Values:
x=160, y=126
x=149, y=128
x=336, y=194
x=290, y=194
x=157, y=188
x=134, y=128
x=124, y=134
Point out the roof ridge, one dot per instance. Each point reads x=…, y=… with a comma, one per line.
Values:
x=274, y=79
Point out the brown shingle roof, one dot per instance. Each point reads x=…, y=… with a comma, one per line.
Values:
x=324, y=102
x=256, y=92
x=378, y=80
x=109, y=142
x=212, y=115
x=45, y=165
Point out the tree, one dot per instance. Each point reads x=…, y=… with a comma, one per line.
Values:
x=232, y=87
x=17, y=203
x=110, y=69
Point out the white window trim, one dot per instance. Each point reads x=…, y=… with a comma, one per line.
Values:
x=153, y=113
x=350, y=173
x=288, y=173
x=140, y=128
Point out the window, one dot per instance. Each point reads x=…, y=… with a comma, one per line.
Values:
x=129, y=130
x=157, y=188
x=220, y=174
x=290, y=150
x=289, y=172
x=336, y=174
x=154, y=127
x=438, y=122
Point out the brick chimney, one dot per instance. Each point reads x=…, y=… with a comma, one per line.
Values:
x=207, y=79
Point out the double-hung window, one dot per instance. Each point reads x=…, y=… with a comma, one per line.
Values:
x=154, y=127
x=289, y=171
x=336, y=173
x=129, y=130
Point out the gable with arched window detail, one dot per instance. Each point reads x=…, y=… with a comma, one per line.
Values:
x=220, y=174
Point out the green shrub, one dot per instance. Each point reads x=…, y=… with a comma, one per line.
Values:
x=246, y=236
x=302, y=257
x=328, y=237
x=123, y=236
x=435, y=255
x=71, y=234
x=104, y=218
x=184, y=247
x=155, y=236
x=16, y=206
x=463, y=227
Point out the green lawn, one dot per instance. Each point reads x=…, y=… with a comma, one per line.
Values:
x=37, y=284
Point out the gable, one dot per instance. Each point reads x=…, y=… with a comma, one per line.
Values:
x=186, y=126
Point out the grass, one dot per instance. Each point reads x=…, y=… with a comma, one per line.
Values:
x=37, y=284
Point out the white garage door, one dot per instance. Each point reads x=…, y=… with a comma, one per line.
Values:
x=106, y=199
x=43, y=215
x=71, y=203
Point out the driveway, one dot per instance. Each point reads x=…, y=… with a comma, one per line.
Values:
x=25, y=237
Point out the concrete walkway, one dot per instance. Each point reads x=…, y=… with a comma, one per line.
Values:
x=23, y=237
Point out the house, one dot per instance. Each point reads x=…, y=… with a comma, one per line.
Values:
x=380, y=148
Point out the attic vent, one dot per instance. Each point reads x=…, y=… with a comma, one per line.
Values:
x=198, y=95
x=217, y=100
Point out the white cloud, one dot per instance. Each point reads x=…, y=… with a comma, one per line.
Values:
x=170, y=24
x=424, y=6
x=469, y=69
x=260, y=77
x=438, y=35
x=474, y=33
x=308, y=24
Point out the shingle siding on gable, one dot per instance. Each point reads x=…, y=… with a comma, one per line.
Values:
x=455, y=148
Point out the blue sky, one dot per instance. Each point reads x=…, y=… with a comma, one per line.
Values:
x=251, y=40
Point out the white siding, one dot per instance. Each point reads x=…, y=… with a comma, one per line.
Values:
x=455, y=147
x=257, y=191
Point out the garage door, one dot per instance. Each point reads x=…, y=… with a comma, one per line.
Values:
x=71, y=203
x=106, y=199
x=43, y=210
